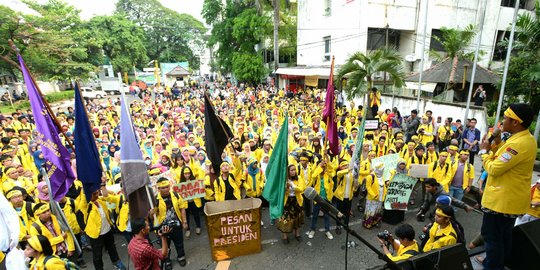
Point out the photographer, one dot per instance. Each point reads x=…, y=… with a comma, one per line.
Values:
x=144, y=255
x=405, y=246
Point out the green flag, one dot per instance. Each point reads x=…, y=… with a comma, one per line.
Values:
x=276, y=172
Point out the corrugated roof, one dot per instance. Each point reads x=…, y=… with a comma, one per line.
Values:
x=440, y=72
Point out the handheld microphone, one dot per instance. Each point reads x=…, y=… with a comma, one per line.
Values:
x=496, y=133
x=326, y=206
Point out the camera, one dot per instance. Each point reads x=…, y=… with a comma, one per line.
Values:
x=421, y=131
x=171, y=224
x=384, y=235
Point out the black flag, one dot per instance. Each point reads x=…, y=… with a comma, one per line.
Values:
x=216, y=134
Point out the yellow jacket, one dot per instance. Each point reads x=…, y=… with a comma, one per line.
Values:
x=24, y=182
x=468, y=174
x=209, y=189
x=298, y=191
x=178, y=204
x=341, y=185
x=25, y=219
x=535, y=211
x=122, y=211
x=93, y=218
x=52, y=263
x=254, y=191
x=55, y=240
x=306, y=178
x=402, y=252
x=70, y=209
x=373, y=188
x=443, y=174
x=445, y=237
x=326, y=174
x=219, y=188
x=365, y=169
x=509, y=171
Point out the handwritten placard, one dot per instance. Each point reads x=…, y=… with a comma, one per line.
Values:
x=389, y=161
x=190, y=190
x=155, y=178
x=398, y=192
x=419, y=170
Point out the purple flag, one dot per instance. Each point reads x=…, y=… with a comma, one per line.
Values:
x=329, y=115
x=57, y=165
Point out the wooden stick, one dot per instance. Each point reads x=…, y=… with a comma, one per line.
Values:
x=47, y=106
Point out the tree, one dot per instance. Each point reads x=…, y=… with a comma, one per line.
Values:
x=523, y=78
x=120, y=39
x=237, y=28
x=360, y=68
x=49, y=41
x=454, y=42
x=169, y=35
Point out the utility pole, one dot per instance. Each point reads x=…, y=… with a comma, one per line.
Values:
x=386, y=46
x=276, y=40
x=423, y=57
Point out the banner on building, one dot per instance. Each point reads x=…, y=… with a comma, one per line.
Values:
x=311, y=81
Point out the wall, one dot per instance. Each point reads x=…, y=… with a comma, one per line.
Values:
x=443, y=109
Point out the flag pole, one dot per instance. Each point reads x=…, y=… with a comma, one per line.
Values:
x=47, y=106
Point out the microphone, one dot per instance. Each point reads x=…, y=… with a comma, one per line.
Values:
x=326, y=206
x=496, y=133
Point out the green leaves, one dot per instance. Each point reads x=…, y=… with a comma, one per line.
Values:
x=360, y=69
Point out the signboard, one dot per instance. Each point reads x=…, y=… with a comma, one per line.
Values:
x=389, y=161
x=311, y=81
x=155, y=178
x=190, y=190
x=372, y=124
x=234, y=227
x=419, y=170
x=398, y=192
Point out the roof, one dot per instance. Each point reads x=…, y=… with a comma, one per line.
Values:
x=440, y=72
x=321, y=71
x=178, y=71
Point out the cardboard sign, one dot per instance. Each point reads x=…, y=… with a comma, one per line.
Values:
x=398, y=192
x=154, y=178
x=190, y=190
x=389, y=161
x=372, y=124
x=234, y=228
x=419, y=170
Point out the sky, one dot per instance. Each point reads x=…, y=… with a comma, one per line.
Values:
x=90, y=8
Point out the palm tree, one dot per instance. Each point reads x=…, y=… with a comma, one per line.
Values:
x=360, y=69
x=454, y=42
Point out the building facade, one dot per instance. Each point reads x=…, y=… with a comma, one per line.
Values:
x=339, y=28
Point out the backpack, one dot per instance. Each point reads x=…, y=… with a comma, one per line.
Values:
x=69, y=265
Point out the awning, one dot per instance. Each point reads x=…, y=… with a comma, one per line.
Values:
x=426, y=86
x=322, y=72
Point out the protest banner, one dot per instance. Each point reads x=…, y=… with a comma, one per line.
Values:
x=389, y=161
x=419, y=170
x=398, y=192
x=190, y=190
x=155, y=178
x=234, y=228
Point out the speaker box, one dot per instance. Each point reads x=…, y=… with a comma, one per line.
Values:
x=525, y=246
x=453, y=257
x=393, y=217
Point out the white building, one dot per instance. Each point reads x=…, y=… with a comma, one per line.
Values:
x=341, y=27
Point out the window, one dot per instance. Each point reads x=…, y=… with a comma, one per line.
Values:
x=327, y=8
x=434, y=44
x=377, y=38
x=327, y=48
x=499, y=52
x=512, y=3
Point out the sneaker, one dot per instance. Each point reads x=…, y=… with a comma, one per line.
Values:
x=182, y=261
x=188, y=233
x=262, y=223
x=310, y=234
x=119, y=265
x=198, y=231
x=329, y=235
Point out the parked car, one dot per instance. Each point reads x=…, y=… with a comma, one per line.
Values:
x=91, y=93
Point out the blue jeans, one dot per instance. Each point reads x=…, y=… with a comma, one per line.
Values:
x=456, y=192
x=497, y=233
x=315, y=216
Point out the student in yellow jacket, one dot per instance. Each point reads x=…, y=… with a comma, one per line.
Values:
x=99, y=228
x=462, y=176
x=441, y=233
x=13, y=180
x=61, y=241
x=225, y=186
x=376, y=192
x=194, y=207
x=254, y=179
x=25, y=212
x=346, y=186
x=441, y=171
x=507, y=191
x=324, y=185
x=70, y=209
x=405, y=248
x=42, y=255
x=293, y=217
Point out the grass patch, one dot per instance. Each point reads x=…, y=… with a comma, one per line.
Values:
x=25, y=104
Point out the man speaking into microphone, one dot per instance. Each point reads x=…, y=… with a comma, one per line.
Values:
x=509, y=166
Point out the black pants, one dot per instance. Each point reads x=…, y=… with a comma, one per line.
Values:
x=177, y=237
x=497, y=233
x=374, y=111
x=194, y=211
x=345, y=208
x=472, y=154
x=107, y=241
x=308, y=206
